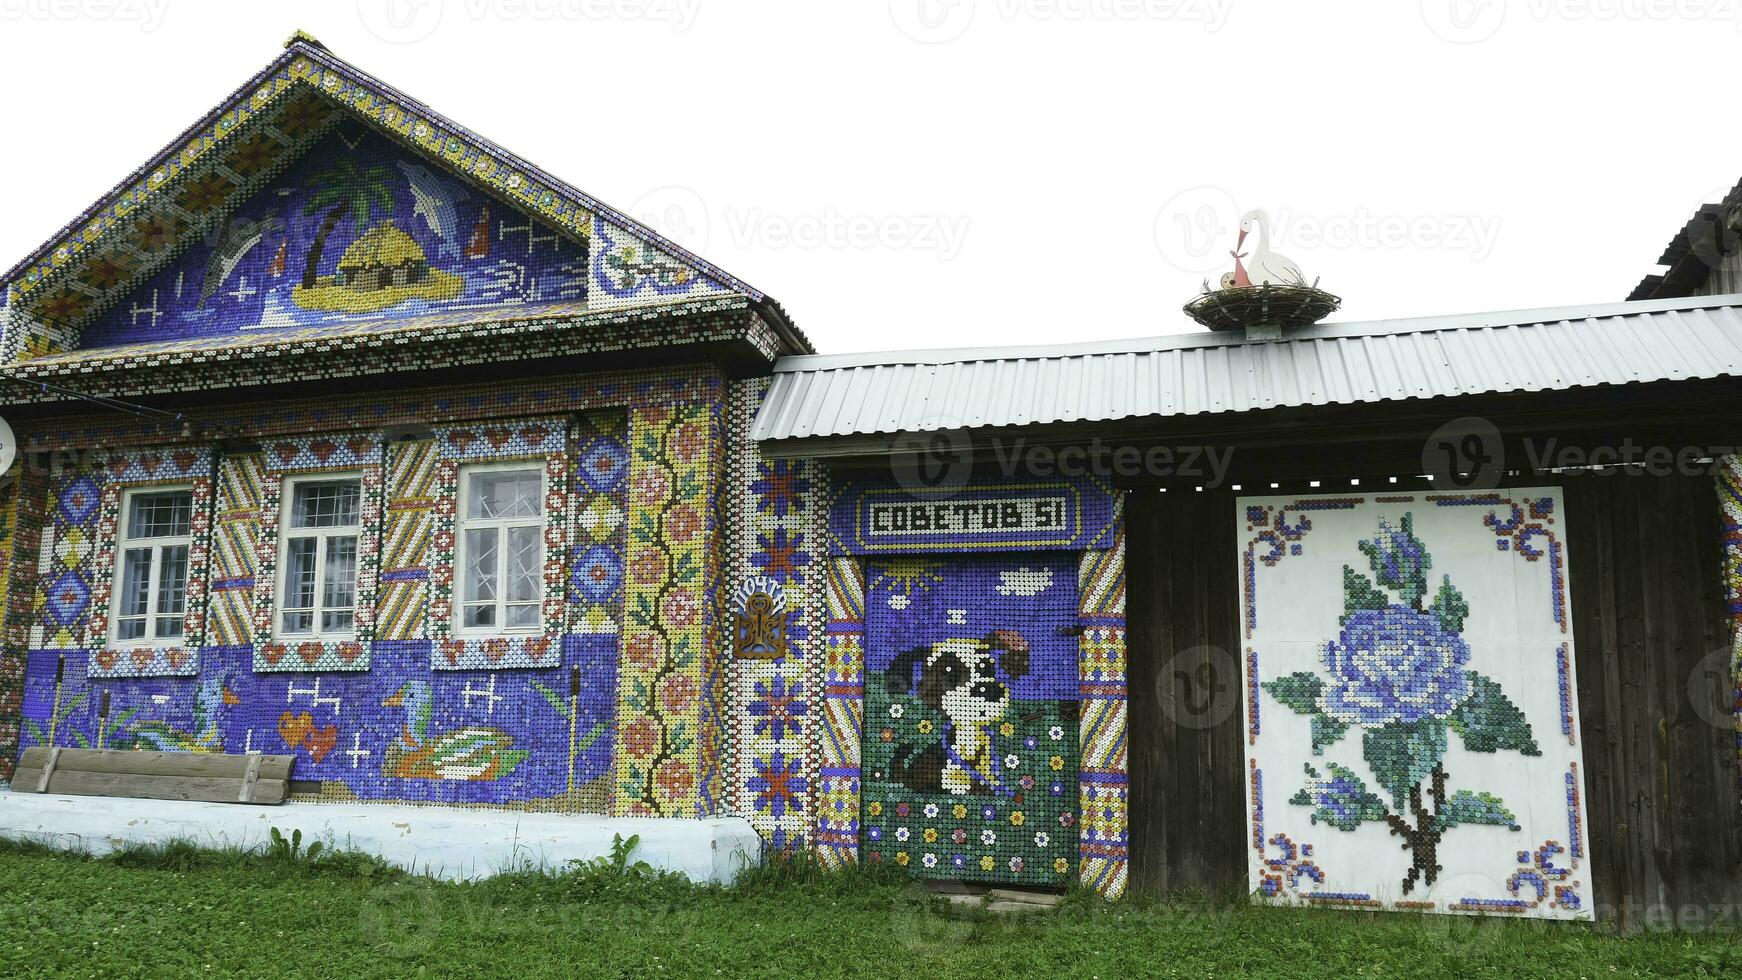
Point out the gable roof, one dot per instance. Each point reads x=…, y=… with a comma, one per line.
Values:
x=182, y=192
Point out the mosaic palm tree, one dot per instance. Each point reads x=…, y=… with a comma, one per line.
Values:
x=340, y=188
x=1398, y=670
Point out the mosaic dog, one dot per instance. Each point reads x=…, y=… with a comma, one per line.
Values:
x=959, y=679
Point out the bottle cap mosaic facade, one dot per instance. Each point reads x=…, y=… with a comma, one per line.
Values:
x=416, y=532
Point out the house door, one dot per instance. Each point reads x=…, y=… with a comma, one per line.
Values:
x=971, y=739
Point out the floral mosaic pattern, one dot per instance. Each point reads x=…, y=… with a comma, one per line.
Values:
x=778, y=751
x=1447, y=620
x=668, y=637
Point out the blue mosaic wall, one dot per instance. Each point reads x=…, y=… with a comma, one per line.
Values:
x=356, y=229
x=397, y=732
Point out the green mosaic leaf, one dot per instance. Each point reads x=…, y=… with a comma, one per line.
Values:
x=1449, y=606
x=1474, y=808
x=1340, y=799
x=552, y=698
x=1402, y=754
x=1359, y=593
x=1299, y=690
x=1326, y=731
x=1488, y=721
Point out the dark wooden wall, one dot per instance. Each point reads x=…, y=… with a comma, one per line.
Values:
x=1187, y=754
x=1651, y=639
x=1652, y=650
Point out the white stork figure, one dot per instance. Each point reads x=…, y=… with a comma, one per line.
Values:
x=1266, y=266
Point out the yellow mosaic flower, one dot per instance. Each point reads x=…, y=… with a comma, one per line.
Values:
x=1017, y=819
x=1060, y=866
x=930, y=835
x=960, y=810
x=874, y=808
x=986, y=863
x=901, y=858
x=1057, y=762
x=1007, y=729
x=925, y=726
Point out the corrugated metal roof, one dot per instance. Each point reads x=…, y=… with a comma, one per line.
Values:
x=1328, y=364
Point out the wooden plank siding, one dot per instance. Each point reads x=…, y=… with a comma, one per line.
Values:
x=1652, y=647
x=1187, y=755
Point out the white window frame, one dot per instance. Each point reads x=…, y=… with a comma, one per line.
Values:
x=287, y=499
x=462, y=524
x=153, y=577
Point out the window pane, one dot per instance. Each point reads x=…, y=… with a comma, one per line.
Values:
x=525, y=556
x=299, y=573
x=301, y=621
x=340, y=574
x=337, y=620
x=512, y=493
x=130, y=629
x=172, y=580
x=480, y=616
x=480, y=570
x=159, y=515
x=523, y=617
x=327, y=504
x=168, y=627
x=135, y=579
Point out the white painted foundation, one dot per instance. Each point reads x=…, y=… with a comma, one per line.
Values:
x=446, y=842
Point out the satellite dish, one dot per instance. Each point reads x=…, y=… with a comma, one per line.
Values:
x=8, y=447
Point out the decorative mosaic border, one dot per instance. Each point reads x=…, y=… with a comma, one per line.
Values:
x=360, y=453
x=1104, y=780
x=128, y=470
x=598, y=446
x=407, y=532
x=667, y=641
x=843, y=716
x=1729, y=487
x=774, y=751
x=71, y=503
x=235, y=537
x=11, y=654
x=543, y=439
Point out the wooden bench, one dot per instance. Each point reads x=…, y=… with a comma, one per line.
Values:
x=207, y=777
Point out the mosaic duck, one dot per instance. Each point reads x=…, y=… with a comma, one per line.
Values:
x=472, y=753
x=213, y=696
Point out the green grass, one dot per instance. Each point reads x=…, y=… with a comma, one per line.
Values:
x=181, y=911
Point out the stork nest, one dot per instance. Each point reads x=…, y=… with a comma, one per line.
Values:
x=1239, y=307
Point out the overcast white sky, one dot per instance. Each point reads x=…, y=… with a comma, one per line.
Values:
x=914, y=173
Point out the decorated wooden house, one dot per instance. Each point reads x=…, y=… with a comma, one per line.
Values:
x=348, y=435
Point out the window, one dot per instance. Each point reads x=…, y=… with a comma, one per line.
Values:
x=156, y=533
x=501, y=549
x=318, y=568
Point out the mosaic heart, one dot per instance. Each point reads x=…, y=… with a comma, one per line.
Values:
x=294, y=729
x=321, y=741
x=322, y=449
